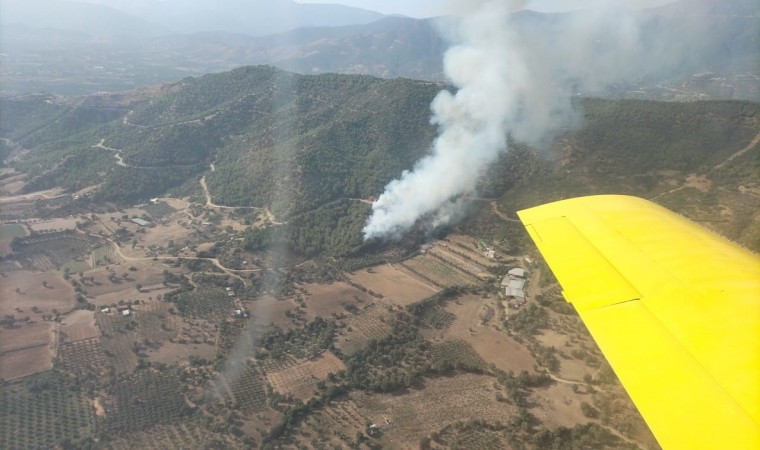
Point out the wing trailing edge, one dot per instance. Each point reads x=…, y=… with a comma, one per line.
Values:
x=674, y=307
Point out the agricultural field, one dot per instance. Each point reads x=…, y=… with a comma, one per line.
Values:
x=143, y=398
x=333, y=426
x=26, y=293
x=458, y=354
x=472, y=437
x=117, y=340
x=436, y=317
x=51, y=225
x=159, y=210
x=43, y=410
x=494, y=345
x=155, y=322
x=82, y=358
x=26, y=349
x=442, y=401
x=299, y=378
x=177, y=436
x=244, y=386
x=268, y=311
x=372, y=322
x=75, y=266
x=437, y=272
x=324, y=300
x=103, y=256
x=9, y=231
x=51, y=251
x=393, y=283
x=232, y=332
x=211, y=303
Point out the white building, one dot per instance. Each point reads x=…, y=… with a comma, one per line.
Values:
x=518, y=272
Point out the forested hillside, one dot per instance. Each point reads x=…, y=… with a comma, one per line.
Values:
x=701, y=159
x=316, y=150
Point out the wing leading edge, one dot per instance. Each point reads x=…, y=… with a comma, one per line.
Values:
x=674, y=308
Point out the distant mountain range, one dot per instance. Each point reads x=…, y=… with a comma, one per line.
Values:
x=703, y=48
x=146, y=18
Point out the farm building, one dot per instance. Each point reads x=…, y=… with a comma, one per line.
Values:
x=141, y=222
x=515, y=289
x=518, y=272
x=517, y=294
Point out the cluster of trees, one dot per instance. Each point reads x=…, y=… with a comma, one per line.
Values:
x=396, y=362
x=304, y=342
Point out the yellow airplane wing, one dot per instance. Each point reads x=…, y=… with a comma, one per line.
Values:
x=674, y=308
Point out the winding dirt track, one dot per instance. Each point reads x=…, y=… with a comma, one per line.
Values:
x=749, y=147
x=215, y=261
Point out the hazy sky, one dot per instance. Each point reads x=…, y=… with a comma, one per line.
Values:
x=428, y=8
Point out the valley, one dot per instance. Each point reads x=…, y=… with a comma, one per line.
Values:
x=210, y=286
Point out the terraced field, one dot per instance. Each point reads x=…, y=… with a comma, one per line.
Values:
x=438, y=272
x=373, y=322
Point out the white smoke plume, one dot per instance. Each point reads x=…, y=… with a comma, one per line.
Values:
x=508, y=80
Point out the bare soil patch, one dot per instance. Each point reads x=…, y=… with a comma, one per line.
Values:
x=396, y=285
x=440, y=402
x=699, y=182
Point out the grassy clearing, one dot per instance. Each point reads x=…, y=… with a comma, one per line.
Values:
x=9, y=231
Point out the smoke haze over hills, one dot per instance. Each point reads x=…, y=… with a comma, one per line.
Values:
x=517, y=84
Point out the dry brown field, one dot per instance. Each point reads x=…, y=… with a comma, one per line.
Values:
x=270, y=311
x=442, y=401
x=78, y=325
x=557, y=405
x=492, y=345
x=300, y=379
x=68, y=223
x=324, y=300
x=161, y=234
x=149, y=274
x=26, y=349
x=394, y=284
x=23, y=289
x=173, y=352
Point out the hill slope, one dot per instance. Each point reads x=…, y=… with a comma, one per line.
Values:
x=315, y=150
